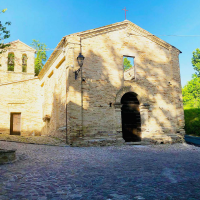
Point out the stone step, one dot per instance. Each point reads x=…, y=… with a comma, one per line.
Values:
x=133, y=143
x=98, y=142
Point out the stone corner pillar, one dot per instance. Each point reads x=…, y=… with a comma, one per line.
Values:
x=144, y=114
x=118, y=119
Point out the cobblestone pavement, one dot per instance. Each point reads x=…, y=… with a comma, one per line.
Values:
x=123, y=172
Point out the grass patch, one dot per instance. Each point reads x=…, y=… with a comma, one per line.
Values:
x=192, y=121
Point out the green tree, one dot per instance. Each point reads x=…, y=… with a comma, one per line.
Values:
x=196, y=61
x=127, y=63
x=40, y=55
x=4, y=33
x=191, y=92
x=191, y=98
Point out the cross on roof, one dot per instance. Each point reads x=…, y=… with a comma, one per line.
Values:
x=125, y=11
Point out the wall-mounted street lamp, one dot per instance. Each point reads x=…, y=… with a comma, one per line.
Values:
x=80, y=60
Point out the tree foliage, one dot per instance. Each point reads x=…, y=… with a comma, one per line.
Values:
x=196, y=61
x=41, y=56
x=192, y=121
x=191, y=98
x=191, y=92
x=127, y=64
x=4, y=33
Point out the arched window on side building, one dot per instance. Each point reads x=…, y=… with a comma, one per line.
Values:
x=11, y=61
x=24, y=63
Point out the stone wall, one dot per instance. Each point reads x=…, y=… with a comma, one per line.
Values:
x=20, y=92
x=23, y=97
x=18, y=48
x=53, y=85
x=92, y=113
x=89, y=107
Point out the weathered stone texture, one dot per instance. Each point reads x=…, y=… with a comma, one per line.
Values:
x=7, y=156
x=157, y=83
x=87, y=111
x=20, y=91
x=23, y=97
x=53, y=85
x=18, y=48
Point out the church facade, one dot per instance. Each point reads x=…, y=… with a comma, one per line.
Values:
x=102, y=104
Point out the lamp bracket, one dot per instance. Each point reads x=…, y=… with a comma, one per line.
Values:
x=76, y=73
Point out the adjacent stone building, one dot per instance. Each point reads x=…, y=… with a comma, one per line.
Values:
x=104, y=104
x=20, y=93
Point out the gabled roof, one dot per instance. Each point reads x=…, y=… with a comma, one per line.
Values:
x=108, y=28
x=121, y=25
x=103, y=29
x=18, y=41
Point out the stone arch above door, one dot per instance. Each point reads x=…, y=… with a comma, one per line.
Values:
x=125, y=90
x=143, y=104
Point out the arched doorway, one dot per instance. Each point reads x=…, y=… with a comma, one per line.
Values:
x=131, y=121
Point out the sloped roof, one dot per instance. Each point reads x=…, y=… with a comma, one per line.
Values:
x=121, y=25
x=18, y=41
x=109, y=28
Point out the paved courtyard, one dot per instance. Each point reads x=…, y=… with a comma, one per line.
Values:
x=123, y=172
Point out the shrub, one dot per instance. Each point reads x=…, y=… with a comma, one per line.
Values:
x=192, y=121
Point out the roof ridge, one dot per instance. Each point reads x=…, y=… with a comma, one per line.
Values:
x=21, y=42
x=151, y=36
x=113, y=26
x=98, y=28
x=139, y=29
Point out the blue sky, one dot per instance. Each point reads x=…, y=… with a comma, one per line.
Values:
x=49, y=20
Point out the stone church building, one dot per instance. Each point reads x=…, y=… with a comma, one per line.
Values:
x=103, y=103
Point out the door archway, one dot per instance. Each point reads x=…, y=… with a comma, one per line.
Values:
x=131, y=121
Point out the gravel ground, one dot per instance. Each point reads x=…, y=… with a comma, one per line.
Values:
x=118, y=173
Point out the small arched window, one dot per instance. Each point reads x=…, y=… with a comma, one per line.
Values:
x=11, y=61
x=24, y=63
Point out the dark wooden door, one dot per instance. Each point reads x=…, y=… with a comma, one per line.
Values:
x=15, y=128
x=131, y=122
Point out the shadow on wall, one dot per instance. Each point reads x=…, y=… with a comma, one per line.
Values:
x=103, y=74
x=55, y=122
